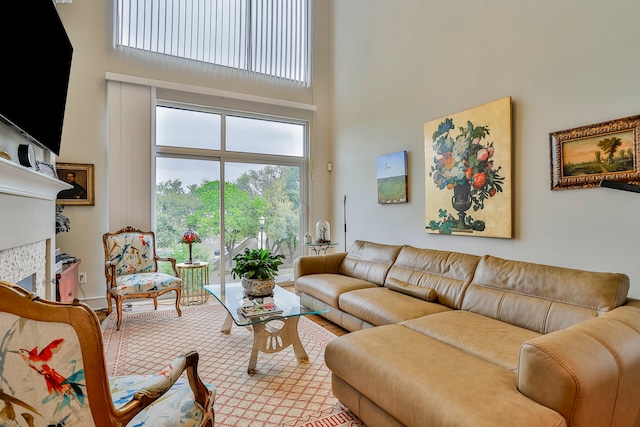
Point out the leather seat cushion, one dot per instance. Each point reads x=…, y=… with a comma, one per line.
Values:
x=422, y=381
x=382, y=306
x=328, y=287
x=489, y=339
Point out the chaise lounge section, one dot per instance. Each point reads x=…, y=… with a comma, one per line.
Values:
x=450, y=339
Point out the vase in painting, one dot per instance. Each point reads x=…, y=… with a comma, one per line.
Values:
x=461, y=202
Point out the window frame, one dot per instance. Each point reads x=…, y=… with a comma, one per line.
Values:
x=223, y=156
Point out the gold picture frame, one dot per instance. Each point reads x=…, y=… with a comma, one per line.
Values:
x=468, y=172
x=80, y=175
x=583, y=157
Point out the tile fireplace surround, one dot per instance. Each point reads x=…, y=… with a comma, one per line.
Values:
x=27, y=226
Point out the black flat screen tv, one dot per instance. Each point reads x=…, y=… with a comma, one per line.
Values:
x=34, y=76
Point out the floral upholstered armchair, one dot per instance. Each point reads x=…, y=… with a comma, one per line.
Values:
x=52, y=373
x=131, y=269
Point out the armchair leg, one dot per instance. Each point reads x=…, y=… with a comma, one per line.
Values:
x=109, y=303
x=208, y=420
x=178, y=299
x=200, y=392
x=119, y=311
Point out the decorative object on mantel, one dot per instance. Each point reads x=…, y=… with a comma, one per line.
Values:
x=323, y=232
x=27, y=155
x=585, y=156
x=46, y=169
x=62, y=222
x=190, y=237
x=257, y=269
x=392, y=178
x=80, y=175
x=468, y=156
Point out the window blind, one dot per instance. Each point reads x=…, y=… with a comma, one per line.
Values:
x=269, y=37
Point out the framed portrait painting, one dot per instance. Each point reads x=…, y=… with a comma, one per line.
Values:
x=468, y=178
x=80, y=176
x=585, y=156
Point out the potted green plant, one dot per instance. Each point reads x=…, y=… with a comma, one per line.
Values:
x=257, y=269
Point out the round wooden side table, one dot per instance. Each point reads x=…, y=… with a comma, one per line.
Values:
x=194, y=277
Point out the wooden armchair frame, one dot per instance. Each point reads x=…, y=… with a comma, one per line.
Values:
x=83, y=320
x=110, y=274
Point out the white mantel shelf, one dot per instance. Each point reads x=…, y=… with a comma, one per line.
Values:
x=21, y=181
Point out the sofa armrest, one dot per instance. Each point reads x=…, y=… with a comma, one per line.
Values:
x=588, y=372
x=317, y=264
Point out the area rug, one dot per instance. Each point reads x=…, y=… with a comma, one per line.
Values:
x=283, y=391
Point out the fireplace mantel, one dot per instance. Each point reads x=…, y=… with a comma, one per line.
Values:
x=18, y=180
x=27, y=207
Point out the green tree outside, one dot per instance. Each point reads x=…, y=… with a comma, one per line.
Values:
x=270, y=192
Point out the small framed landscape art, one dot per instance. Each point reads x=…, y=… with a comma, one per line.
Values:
x=468, y=182
x=585, y=156
x=391, y=170
x=80, y=176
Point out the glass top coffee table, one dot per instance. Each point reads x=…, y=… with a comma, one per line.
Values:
x=271, y=332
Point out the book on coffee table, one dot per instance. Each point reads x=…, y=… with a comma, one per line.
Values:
x=256, y=310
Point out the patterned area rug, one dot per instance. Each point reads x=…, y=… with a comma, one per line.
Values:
x=283, y=391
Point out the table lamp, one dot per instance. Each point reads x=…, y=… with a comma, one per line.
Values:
x=189, y=237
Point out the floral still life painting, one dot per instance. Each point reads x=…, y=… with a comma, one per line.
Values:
x=468, y=172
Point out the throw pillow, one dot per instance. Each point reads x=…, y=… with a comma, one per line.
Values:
x=422, y=292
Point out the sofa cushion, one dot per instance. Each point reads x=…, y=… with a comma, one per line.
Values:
x=542, y=298
x=422, y=292
x=369, y=261
x=421, y=381
x=328, y=287
x=382, y=306
x=489, y=339
x=448, y=273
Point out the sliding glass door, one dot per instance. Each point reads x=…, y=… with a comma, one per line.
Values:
x=260, y=162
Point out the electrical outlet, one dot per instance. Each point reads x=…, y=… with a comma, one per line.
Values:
x=82, y=277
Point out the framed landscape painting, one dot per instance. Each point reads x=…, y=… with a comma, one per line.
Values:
x=468, y=177
x=391, y=171
x=585, y=156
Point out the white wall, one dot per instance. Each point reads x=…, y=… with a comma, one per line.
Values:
x=389, y=67
x=89, y=25
x=397, y=65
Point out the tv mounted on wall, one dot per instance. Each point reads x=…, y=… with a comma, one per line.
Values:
x=34, y=77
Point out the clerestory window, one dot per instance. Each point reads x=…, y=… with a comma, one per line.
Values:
x=267, y=37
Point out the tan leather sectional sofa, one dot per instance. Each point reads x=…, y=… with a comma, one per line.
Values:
x=450, y=339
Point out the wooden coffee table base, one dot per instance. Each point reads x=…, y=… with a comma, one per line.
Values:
x=272, y=336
